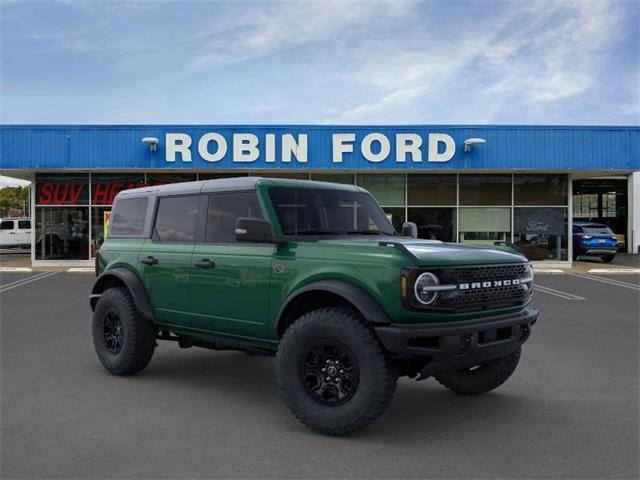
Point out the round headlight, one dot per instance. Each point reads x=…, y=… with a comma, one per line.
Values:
x=422, y=288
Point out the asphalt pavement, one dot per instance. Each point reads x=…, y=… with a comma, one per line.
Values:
x=569, y=411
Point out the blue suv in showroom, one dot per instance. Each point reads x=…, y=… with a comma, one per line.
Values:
x=594, y=239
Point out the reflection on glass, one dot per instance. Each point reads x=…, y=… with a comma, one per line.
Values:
x=486, y=189
x=62, y=189
x=293, y=176
x=164, y=178
x=213, y=175
x=396, y=216
x=431, y=189
x=387, y=189
x=62, y=233
x=434, y=223
x=104, y=187
x=333, y=178
x=98, y=228
x=485, y=225
x=540, y=189
x=541, y=233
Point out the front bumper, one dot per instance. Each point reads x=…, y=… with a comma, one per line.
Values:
x=453, y=345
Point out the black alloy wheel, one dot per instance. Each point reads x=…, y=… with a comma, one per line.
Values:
x=113, y=332
x=330, y=373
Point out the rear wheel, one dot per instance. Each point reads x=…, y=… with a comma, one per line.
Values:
x=480, y=378
x=123, y=341
x=333, y=373
x=607, y=258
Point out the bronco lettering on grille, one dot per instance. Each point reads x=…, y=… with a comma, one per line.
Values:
x=488, y=284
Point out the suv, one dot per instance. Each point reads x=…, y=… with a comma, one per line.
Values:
x=594, y=239
x=314, y=274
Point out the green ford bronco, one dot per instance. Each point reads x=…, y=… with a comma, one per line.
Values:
x=314, y=274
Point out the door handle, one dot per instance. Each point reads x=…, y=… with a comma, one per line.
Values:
x=149, y=260
x=204, y=263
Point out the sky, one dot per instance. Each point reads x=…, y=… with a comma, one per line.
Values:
x=320, y=62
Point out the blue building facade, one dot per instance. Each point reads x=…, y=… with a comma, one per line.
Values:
x=477, y=184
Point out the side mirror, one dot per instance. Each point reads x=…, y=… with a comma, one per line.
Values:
x=409, y=229
x=254, y=230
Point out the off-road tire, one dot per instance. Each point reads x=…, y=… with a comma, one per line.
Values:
x=377, y=377
x=138, y=334
x=482, y=379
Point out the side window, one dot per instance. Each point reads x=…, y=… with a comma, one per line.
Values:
x=24, y=224
x=6, y=225
x=128, y=216
x=176, y=219
x=224, y=210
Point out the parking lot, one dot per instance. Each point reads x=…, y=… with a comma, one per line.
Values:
x=569, y=411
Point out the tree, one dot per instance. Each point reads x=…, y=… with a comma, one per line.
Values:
x=14, y=201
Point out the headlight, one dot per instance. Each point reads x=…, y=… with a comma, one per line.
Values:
x=425, y=288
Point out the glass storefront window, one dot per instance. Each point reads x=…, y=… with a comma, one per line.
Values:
x=104, y=187
x=540, y=189
x=541, y=233
x=485, y=189
x=434, y=223
x=484, y=225
x=98, y=232
x=293, y=176
x=62, y=189
x=333, y=178
x=164, y=178
x=387, y=189
x=62, y=233
x=213, y=176
x=396, y=216
x=432, y=190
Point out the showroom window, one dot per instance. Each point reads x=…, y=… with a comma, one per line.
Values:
x=388, y=190
x=434, y=223
x=541, y=233
x=540, y=189
x=486, y=189
x=484, y=225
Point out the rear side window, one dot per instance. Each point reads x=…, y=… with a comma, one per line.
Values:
x=24, y=224
x=176, y=219
x=6, y=225
x=128, y=216
x=224, y=210
x=594, y=230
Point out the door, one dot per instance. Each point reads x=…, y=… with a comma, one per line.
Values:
x=24, y=232
x=8, y=234
x=165, y=259
x=230, y=281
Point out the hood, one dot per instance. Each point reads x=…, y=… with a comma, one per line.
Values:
x=435, y=253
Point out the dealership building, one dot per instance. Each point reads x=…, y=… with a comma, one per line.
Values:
x=474, y=184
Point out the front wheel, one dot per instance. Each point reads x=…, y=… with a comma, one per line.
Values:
x=480, y=378
x=123, y=341
x=333, y=373
x=607, y=258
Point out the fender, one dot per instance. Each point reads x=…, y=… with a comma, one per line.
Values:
x=132, y=282
x=361, y=300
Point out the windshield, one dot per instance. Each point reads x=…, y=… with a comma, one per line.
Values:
x=318, y=211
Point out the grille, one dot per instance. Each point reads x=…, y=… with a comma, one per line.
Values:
x=482, y=298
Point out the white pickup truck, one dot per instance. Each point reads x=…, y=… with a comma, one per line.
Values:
x=15, y=232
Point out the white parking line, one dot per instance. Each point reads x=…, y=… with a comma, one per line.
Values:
x=616, y=283
x=24, y=281
x=557, y=293
x=21, y=280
